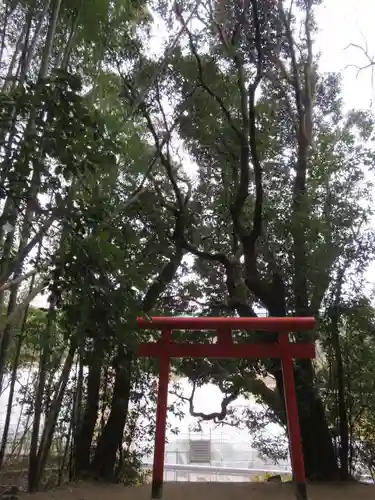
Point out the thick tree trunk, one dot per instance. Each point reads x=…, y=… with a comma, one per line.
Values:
x=103, y=466
x=84, y=436
x=317, y=444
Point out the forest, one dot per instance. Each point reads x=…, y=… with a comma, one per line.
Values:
x=182, y=157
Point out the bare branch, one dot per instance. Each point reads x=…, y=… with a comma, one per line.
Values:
x=370, y=60
x=159, y=144
x=215, y=416
x=23, y=277
x=364, y=50
x=21, y=256
x=252, y=385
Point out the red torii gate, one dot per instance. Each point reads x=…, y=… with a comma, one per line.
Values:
x=284, y=350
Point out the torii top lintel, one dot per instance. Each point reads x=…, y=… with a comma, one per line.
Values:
x=270, y=324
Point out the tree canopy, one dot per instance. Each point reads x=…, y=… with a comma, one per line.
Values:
x=217, y=174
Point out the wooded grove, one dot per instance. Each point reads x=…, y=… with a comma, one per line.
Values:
x=165, y=157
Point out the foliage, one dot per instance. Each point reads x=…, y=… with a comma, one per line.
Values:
x=356, y=331
x=220, y=177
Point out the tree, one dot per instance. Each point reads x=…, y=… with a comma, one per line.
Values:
x=58, y=142
x=252, y=110
x=99, y=211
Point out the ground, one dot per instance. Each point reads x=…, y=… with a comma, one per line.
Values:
x=207, y=491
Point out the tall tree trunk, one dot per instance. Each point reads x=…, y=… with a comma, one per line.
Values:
x=46, y=56
x=13, y=380
x=341, y=399
x=9, y=81
x=85, y=433
x=103, y=466
x=23, y=69
x=318, y=447
x=43, y=362
x=6, y=15
x=9, y=216
x=71, y=38
x=106, y=381
x=77, y=411
x=51, y=420
x=41, y=17
x=6, y=336
x=317, y=443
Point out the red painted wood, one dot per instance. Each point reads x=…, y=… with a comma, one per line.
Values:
x=294, y=431
x=222, y=351
x=161, y=418
x=273, y=324
x=224, y=336
x=165, y=349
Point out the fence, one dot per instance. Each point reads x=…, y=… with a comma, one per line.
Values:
x=219, y=458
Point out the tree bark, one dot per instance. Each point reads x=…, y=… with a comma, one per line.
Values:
x=103, y=465
x=43, y=361
x=317, y=444
x=104, y=461
x=46, y=55
x=51, y=419
x=6, y=334
x=341, y=399
x=84, y=436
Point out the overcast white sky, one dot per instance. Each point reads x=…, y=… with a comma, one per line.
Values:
x=341, y=22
